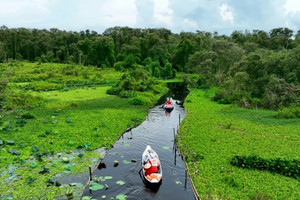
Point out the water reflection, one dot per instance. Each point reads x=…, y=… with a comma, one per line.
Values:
x=158, y=131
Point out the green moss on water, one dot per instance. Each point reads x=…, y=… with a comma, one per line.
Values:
x=212, y=134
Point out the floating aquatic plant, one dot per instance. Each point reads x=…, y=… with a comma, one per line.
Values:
x=95, y=186
x=120, y=182
x=178, y=182
x=33, y=165
x=108, y=177
x=166, y=147
x=121, y=197
x=126, y=162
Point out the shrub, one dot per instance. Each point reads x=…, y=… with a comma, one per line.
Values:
x=127, y=94
x=43, y=86
x=288, y=112
x=28, y=115
x=22, y=100
x=289, y=168
x=114, y=91
x=140, y=101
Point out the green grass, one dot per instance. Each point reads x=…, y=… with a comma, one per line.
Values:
x=212, y=134
x=71, y=123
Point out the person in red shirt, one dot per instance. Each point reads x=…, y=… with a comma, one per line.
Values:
x=150, y=168
x=169, y=101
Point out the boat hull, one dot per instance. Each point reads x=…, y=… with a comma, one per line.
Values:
x=168, y=107
x=155, y=178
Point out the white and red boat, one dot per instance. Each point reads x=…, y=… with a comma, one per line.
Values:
x=151, y=167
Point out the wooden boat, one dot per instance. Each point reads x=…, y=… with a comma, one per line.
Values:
x=168, y=107
x=151, y=167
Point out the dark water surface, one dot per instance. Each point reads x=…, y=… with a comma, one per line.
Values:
x=158, y=132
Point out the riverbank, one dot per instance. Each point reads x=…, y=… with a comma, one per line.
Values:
x=57, y=137
x=212, y=134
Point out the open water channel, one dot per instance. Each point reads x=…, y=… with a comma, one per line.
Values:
x=158, y=132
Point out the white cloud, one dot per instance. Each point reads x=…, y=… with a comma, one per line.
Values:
x=24, y=12
x=107, y=13
x=292, y=6
x=190, y=23
x=162, y=12
x=223, y=16
x=226, y=13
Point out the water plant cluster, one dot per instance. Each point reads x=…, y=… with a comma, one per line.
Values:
x=218, y=143
x=290, y=168
x=50, y=125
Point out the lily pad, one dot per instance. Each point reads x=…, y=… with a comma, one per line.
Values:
x=178, y=182
x=126, y=145
x=120, y=182
x=96, y=186
x=103, y=196
x=33, y=165
x=126, y=162
x=86, y=198
x=108, y=177
x=166, y=147
x=121, y=197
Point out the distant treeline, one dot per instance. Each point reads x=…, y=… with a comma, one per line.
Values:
x=251, y=69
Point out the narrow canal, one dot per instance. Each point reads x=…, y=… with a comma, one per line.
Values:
x=157, y=131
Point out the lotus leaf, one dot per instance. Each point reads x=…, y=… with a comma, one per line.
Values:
x=96, y=186
x=126, y=162
x=33, y=165
x=108, y=177
x=121, y=197
x=120, y=182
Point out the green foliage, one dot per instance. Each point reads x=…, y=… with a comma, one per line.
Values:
x=235, y=90
x=215, y=59
x=22, y=100
x=43, y=86
x=212, y=134
x=289, y=112
x=131, y=83
x=60, y=122
x=290, y=168
x=140, y=100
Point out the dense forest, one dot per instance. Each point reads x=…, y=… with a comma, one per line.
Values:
x=251, y=69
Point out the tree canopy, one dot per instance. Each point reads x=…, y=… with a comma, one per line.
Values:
x=251, y=68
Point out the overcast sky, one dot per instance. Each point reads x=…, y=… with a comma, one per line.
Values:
x=222, y=16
